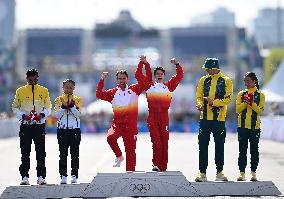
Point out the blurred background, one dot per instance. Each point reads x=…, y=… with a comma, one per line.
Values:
x=79, y=39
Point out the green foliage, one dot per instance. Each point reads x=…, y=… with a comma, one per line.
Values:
x=271, y=62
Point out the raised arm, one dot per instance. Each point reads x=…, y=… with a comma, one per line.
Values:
x=143, y=81
x=176, y=79
x=139, y=74
x=102, y=94
x=148, y=72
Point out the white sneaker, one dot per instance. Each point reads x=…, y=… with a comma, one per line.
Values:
x=25, y=181
x=118, y=161
x=241, y=177
x=221, y=177
x=74, y=179
x=201, y=177
x=253, y=177
x=41, y=180
x=63, y=180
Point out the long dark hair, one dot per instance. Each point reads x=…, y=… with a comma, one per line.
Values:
x=253, y=77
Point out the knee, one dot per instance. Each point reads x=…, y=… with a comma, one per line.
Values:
x=63, y=154
x=75, y=154
x=130, y=152
x=254, y=150
x=243, y=149
x=25, y=154
x=203, y=141
x=110, y=138
x=157, y=146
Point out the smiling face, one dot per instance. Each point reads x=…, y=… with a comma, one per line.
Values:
x=121, y=80
x=68, y=88
x=159, y=76
x=249, y=83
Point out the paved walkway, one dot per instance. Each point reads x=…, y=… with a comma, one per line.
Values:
x=96, y=156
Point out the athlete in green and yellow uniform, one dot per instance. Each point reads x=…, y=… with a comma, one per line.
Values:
x=214, y=93
x=249, y=106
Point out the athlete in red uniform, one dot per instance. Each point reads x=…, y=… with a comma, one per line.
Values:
x=159, y=96
x=124, y=100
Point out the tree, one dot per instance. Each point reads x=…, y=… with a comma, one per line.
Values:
x=271, y=62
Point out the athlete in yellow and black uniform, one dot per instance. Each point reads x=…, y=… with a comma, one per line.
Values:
x=68, y=109
x=214, y=93
x=32, y=106
x=249, y=106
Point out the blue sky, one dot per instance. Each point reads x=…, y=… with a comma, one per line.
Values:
x=150, y=13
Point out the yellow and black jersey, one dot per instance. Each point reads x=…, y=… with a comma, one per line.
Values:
x=30, y=98
x=249, y=115
x=219, y=88
x=68, y=118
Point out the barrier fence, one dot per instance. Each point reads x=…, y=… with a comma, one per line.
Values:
x=272, y=127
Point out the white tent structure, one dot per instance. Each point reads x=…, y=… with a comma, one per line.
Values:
x=103, y=106
x=98, y=106
x=271, y=96
x=274, y=90
x=272, y=125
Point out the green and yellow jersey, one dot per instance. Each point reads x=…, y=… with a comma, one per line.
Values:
x=249, y=115
x=219, y=88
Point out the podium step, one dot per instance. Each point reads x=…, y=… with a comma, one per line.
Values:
x=143, y=184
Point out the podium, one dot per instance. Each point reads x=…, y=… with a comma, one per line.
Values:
x=142, y=184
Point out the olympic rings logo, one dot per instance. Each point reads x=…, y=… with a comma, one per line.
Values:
x=139, y=188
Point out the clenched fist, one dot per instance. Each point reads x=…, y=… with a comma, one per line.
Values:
x=174, y=61
x=104, y=75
